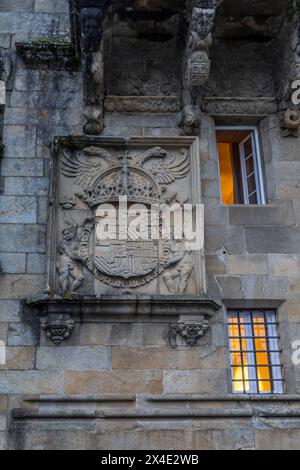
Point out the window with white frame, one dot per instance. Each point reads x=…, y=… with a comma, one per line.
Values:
x=254, y=352
x=240, y=166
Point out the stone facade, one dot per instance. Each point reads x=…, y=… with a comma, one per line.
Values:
x=144, y=368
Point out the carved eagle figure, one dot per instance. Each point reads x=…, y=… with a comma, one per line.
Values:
x=83, y=169
x=175, y=168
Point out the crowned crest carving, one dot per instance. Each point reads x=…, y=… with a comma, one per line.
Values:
x=95, y=174
x=110, y=178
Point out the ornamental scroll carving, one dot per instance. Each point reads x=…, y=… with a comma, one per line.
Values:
x=98, y=176
x=201, y=17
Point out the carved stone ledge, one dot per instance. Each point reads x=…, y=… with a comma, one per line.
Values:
x=229, y=106
x=142, y=104
x=48, y=55
x=123, y=305
x=59, y=313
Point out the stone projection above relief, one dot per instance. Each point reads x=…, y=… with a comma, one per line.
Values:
x=98, y=188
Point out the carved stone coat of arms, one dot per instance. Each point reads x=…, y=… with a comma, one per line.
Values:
x=99, y=187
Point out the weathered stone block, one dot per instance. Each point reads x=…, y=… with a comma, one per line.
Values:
x=22, y=167
x=293, y=311
x=210, y=189
x=231, y=287
x=38, y=25
x=126, y=334
x=22, y=334
x=281, y=214
x=73, y=358
x=164, y=358
x=233, y=439
x=2, y=93
x=5, y=40
x=16, y=5
x=94, y=334
x=216, y=264
x=2, y=423
x=13, y=263
x=3, y=404
x=214, y=213
x=294, y=288
x=155, y=334
x=36, y=263
x=252, y=287
x=3, y=333
x=247, y=264
x=21, y=286
x=52, y=6
x=43, y=213
x=20, y=116
x=272, y=239
x=288, y=188
x=226, y=238
x=276, y=439
x=19, y=210
x=114, y=382
x=210, y=381
x=21, y=139
x=31, y=382
x=26, y=186
x=28, y=238
x=2, y=441
x=285, y=265
x=297, y=211
x=19, y=358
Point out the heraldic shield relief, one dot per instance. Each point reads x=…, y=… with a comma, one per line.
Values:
x=101, y=188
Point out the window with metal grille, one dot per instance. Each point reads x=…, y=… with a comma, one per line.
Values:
x=240, y=166
x=255, y=352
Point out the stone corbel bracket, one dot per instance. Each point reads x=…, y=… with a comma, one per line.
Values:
x=57, y=329
x=196, y=66
x=191, y=331
x=58, y=313
x=87, y=18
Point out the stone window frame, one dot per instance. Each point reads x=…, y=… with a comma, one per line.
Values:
x=258, y=161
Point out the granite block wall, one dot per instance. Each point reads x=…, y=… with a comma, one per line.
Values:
x=112, y=369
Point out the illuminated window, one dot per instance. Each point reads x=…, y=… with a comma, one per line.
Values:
x=240, y=166
x=254, y=352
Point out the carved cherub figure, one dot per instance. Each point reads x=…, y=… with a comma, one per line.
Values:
x=69, y=266
x=181, y=264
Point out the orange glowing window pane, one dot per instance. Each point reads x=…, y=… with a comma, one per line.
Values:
x=254, y=352
x=226, y=172
x=260, y=344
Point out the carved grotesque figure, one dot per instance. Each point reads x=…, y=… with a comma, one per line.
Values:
x=202, y=21
x=92, y=14
x=91, y=27
x=197, y=63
